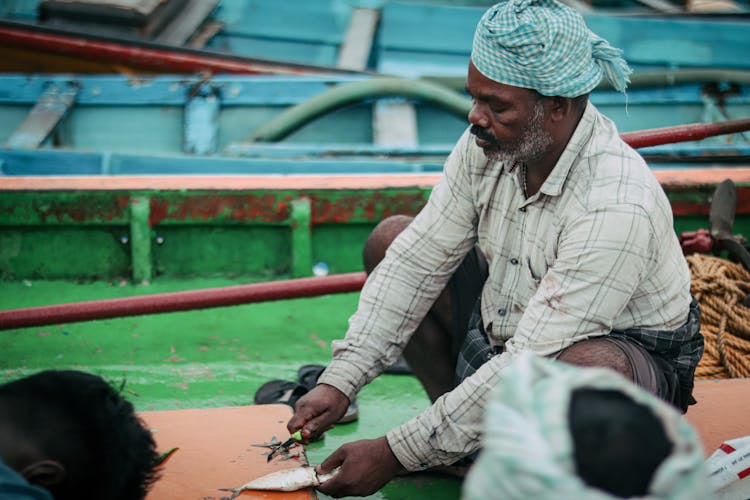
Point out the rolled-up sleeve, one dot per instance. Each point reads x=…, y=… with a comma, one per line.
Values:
x=451, y=428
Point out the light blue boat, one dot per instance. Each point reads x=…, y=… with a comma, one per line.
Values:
x=689, y=69
x=408, y=39
x=75, y=125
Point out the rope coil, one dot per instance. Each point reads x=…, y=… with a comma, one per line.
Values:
x=721, y=287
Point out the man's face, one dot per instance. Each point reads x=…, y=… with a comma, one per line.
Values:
x=508, y=122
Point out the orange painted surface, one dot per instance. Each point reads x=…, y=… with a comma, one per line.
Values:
x=722, y=412
x=215, y=451
x=223, y=182
x=215, y=445
x=691, y=177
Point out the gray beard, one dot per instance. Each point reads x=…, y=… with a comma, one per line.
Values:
x=533, y=144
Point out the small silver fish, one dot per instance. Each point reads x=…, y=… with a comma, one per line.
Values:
x=286, y=480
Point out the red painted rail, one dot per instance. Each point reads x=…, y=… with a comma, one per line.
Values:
x=683, y=133
x=305, y=287
x=143, y=56
x=181, y=301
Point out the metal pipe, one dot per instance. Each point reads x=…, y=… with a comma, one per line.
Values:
x=683, y=133
x=181, y=301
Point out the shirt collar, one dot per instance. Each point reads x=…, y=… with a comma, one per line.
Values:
x=554, y=183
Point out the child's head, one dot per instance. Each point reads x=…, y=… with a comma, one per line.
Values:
x=71, y=433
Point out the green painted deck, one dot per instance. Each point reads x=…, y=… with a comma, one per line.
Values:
x=68, y=240
x=210, y=358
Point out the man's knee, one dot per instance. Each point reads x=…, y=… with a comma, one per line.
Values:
x=381, y=238
x=600, y=353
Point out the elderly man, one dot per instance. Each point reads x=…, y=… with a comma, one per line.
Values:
x=546, y=233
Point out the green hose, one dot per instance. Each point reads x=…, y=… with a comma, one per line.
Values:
x=444, y=93
x=297, y=116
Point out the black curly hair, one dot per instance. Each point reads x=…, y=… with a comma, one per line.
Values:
x=81, y=421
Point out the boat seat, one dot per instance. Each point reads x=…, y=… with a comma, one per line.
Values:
x=171, y=22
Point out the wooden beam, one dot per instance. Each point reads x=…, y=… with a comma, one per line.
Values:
x=395, y=124
x=44, y=117
x=187, y=22
x=670, y=178
x=355, y=49
x=201, y=122
x=661, y=6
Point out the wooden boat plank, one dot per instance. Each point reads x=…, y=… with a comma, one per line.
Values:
x=395, y=124
x=187, y=21
x=136, y=19
x=189, y=217
x=668, y=178
x=50, y=109
x=355, y=49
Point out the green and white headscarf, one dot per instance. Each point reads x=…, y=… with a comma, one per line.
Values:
x=546, y=46
x=527, y=449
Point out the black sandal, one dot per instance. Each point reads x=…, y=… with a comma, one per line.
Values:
x=279, y=392
x=308, y=375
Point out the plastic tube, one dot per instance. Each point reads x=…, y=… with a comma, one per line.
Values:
x=349, y=93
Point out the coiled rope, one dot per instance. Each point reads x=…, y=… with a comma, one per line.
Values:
x=721, y=287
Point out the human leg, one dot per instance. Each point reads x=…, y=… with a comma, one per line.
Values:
x=600, y=352
x=629, y=359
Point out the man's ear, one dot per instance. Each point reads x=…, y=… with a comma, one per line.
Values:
x=44, y=473
x=559, y=107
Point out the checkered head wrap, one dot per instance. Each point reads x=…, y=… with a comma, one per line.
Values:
x=546, y=46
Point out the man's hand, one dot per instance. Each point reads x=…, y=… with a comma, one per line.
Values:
x=317, y=411
x=365, y=467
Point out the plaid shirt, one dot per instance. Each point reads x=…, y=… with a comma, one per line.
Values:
x=593, y=251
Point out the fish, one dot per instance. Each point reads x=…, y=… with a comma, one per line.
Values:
x=286, y=480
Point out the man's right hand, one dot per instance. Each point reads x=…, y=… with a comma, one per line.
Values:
x=317, y=411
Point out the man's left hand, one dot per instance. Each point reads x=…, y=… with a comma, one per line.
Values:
x=366, y=466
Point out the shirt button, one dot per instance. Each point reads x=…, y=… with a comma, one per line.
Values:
x=522, y=209
x=501, y=312
x=514, y=261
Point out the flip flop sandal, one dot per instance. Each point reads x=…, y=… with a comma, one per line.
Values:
x=279, y=392
x=308, y=377
x=352, y=413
